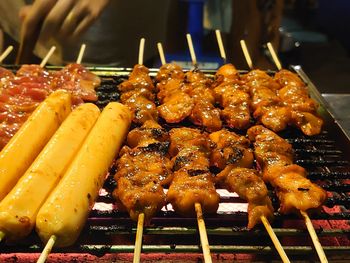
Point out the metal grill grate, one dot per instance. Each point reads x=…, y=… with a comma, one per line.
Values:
x=109, y=230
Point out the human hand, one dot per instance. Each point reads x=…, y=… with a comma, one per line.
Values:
x=62, y=19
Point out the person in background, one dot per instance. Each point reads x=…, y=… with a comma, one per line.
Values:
x=111, y=29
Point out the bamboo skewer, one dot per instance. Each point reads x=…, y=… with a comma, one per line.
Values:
x=81, y=54
x=274, y=56
x=308, y=223
x=315, y=240
x=47, y=57
x=6, y=53
x=191, y=48
x=200, y=221
x=2, y=235
x=141, y=51
x=47, y=249
x=141, y=217
x=246, y=54
x=161, y=53
x=264, y=220
x=221, y=45
x=203, y=233
x=138, y=240
x=274, y=239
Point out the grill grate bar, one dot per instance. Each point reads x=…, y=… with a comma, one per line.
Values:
x=221, y=231
x=292, y=250
x=331, y=175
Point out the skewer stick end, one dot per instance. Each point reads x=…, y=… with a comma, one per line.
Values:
x=221, y=45
x=274, y=56
x=47, y=249
x=191, y=48
x=81, y=53
x=2, y=235
x=138, y=239
x=6, y=53
x=314, y=238
x=161, y=53
x=141, y=51
x=47, y=57
x=274, y=239
x=203, y=233
x=246, y=54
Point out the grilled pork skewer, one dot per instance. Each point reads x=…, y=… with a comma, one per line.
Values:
x=182, y=175
x=294, y=93
x=252, y=180
x=192, y=189
x=142, y=171
x=234, y=158
x=295, y=192
x=138, y=92
x=185, y=95
x=233, y=96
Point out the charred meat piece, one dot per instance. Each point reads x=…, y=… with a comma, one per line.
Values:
x=142, y=109
x=205, y=114
x=294, y=93
x=293, y=189
x=249, y=186
x=170, y=71
x=186, y=190
x=138, y=93
x=149, y=130
x=233, y=97
x=181, y=138
x=176, y=108
x=230, y=149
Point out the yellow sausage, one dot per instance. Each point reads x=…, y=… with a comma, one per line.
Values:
x=67, y=208
x=19, y=208
x=26, y=144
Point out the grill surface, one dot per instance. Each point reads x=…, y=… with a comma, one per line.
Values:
x=325, y=156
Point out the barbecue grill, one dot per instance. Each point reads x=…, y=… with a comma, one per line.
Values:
x=109, y=233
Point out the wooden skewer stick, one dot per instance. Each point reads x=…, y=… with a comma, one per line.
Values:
x=141, y=218
x=246, y=54
x=191, y=48
x=6, y=53
x=264, y=220
x=221, y=45
x=203, y=233
x=197, y=206
x=48, y=55
x=308, y=223
x=315, y=240
x=2, y=235
x=274, y=56
x=141, y=51
x=274, y=239
x=81, y=54
x=47, y=249
x=161, y=53
x=138, y=240
x=310, y=227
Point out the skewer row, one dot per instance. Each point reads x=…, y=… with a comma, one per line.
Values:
x=202, y=230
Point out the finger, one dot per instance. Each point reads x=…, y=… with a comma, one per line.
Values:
x=23, y=12
x=56, y=18
x=74, y=18
x=83, y=26
x=35, y=16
